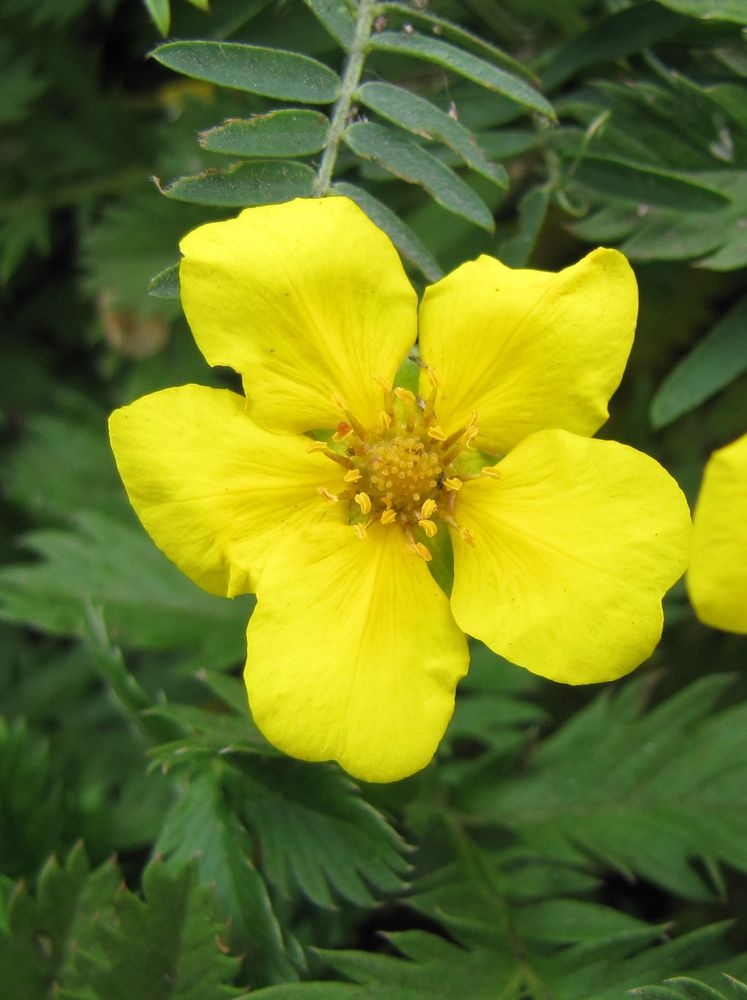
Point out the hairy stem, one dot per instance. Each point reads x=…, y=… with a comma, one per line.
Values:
x=350, y=79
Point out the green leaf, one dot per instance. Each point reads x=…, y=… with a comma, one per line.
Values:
x=719, y=10
x=21, y=84
x=465, y=64
x=201, y=826
x=716, y=361
x=400, y=14
x=63, y=464
x=287, y=76
x=47, y=932
x=315, y=833
x=414, y=113
x=336, y=18
x=166, y=945
x=732, y=254
x=638, y=182
x=160, y=11
x=146, y=601
x=258, y=182
x=533, y=208
x=641, y=793
x=165, y=284
x=621, y=34
x=290, y=132
x=684, y=988
x=405, y=240
x=406, y=159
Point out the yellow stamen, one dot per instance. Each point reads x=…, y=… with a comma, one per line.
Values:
x=364, y=502
x=360, y=530
x=453, y=484
x=491, y=473
x=428, y=509
x=318, y=446
x=384, y=421
x=422, y=551
x=429, y=527
x=388, y=516
x=467, y=536
x=327, y=495
x=352, y=476
x=404, y=394
x=436, y=432
x=384, y=383
x=344, y=430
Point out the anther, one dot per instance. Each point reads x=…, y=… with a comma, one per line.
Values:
x=404, y=394
x=453, y=484
x=429, y=527
x=436, y=432
x=364, y=502
x=352, y=476
x=388, y=516
x=491, y=472
x=360, y=530
x=428, y=509
x=467, y=536
x=344, y=430
x=327, y=495
x=422, y=551
x=384, y=421
x=317, y=446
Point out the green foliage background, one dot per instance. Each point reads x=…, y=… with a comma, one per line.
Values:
x=566, y=844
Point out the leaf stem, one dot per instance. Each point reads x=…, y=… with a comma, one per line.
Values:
x=350, y=79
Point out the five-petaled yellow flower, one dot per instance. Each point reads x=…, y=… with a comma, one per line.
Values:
x=717, y=577
x=327, y=487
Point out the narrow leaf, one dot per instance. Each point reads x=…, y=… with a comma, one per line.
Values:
x=165, y=284
x=641, y=183
x=465, y=64
x=287, y=76
x=335, y=16
x=406, y=241
x=279, y=133
x=456, y=33
x=160, y=11
x=417, y=115
x=532, y=213
x=621, y=34
x=407, y=160
x=718, y=10
x=257, y=182
x=716, y=361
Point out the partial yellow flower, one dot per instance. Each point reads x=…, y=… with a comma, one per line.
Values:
x=328, y=488
x=717, y=576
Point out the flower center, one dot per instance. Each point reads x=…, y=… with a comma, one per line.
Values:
x=404, y=470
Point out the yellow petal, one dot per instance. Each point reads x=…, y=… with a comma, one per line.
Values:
x=306, y=300
x=215, y=492
x=717, y=577
x=529, y=350
x=574, y=547
x=353, y=654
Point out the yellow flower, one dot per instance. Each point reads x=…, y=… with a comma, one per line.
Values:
x=717, y=576
x=563, y=546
